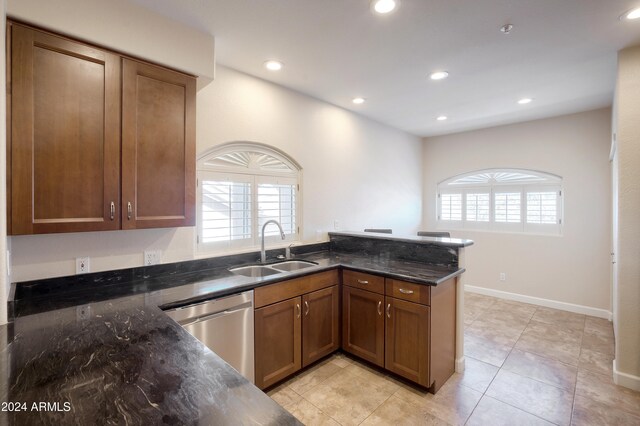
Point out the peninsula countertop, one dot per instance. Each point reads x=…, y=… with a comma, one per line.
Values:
x=106, y=349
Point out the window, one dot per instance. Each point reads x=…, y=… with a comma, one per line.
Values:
x=240, y=187
x=502, y=200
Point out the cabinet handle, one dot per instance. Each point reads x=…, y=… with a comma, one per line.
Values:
x=363, y=282
x=306, y=308
x=379, y=308
x=388, y=308
x=113, y=210
x=129, y=210
x=298, y=308
x=403, y=291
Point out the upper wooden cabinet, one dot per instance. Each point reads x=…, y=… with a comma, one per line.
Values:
x=76, y=113
x=158, y=147
x=64, y=135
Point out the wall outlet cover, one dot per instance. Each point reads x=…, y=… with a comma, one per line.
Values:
x=503, y=276
x=82, y=265
x=152, y=257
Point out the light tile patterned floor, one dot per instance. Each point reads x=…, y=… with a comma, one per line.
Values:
x=525, y=365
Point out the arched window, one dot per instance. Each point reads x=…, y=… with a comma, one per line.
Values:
x=241, y=185
x=512, y=200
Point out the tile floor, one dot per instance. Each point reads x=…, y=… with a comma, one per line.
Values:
x=525, y=365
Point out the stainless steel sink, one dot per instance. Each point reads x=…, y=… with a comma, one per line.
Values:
x=293, y=265
x=254, y=271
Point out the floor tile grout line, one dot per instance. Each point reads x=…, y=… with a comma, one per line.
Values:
x=374, y=410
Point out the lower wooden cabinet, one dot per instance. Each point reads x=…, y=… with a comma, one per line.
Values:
x=294, y=333
x=277, y=341
x=407, y=340
x=363, y=324
x=320, y=324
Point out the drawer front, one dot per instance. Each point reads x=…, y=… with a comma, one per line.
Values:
x=411, y=292
x=284, y=290
x=364, y=281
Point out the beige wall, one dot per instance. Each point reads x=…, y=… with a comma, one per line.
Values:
x=627, y=313
x=573, y=268
x=356, y=171
x=4, y=281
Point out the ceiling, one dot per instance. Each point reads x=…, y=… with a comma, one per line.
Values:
x=561, y=53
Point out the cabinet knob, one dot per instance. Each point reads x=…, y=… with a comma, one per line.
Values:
x=403, y=291
x=129, y=210
x=306, y=308
x=379, y=308
x=298, y=308
x=388, y=310
x=113, y=210
x=363, y=282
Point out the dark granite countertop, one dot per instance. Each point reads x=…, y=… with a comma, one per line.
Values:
x=182, y=288
x=127, y=364
x=448, y=242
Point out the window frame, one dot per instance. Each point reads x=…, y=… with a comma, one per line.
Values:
x=255, y=176
x=478, y=182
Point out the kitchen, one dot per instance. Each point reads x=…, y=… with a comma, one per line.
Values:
x=354, y=172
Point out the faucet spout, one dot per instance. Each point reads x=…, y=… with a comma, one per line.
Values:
x=263, y=253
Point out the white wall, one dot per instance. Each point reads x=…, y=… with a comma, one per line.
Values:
x=356, y=171
x=573, y=268
x=125, y=27
x=627, y=313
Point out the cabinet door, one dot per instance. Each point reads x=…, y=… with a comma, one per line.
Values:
x=363, y=324
x=320, y=324
x=407, y=340
x=64, y=135
x=158, y=147
x=277, y=341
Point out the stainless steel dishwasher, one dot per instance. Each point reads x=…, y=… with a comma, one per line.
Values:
x=225, y=326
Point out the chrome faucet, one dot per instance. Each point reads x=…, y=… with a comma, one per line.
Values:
x=263, y=253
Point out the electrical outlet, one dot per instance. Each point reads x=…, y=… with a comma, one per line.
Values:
x=503, y=276
x=152, y=257
x=82, y=265
x=336, y=225
x=83, y=312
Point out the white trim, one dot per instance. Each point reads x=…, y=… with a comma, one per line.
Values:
x=623, y=379
x=547, y=303
x=460, y=365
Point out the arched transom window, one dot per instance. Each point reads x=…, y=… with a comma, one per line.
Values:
x=241, y=185
x=514, y=200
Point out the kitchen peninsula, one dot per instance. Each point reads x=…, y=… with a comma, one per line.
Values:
x=102, y=343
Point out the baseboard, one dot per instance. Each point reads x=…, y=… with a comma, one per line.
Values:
x=547, y=303
x=623, y=379
x=460, y=365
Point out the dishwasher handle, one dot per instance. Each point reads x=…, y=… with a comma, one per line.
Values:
x=206, y=317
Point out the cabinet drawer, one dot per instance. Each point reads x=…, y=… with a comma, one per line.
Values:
x=412, y=292
x=364, y=281
x=284, y=290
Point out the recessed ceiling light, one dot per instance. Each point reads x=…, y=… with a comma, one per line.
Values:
x=506, y=29
x=384, y=6
x=442, y=118
x=358, y=101
x=439, y=75
x=272, y=65
x=525, y=101
x=632, y=14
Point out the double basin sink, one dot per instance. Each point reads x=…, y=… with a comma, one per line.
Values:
x=258, y=271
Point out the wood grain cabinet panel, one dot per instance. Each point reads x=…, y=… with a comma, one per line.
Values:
x=277, y=341
x=407, y=340
x=320, y=324
x=363, y=324
x=158, y=147
x=96, y=141
x=64, y=135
